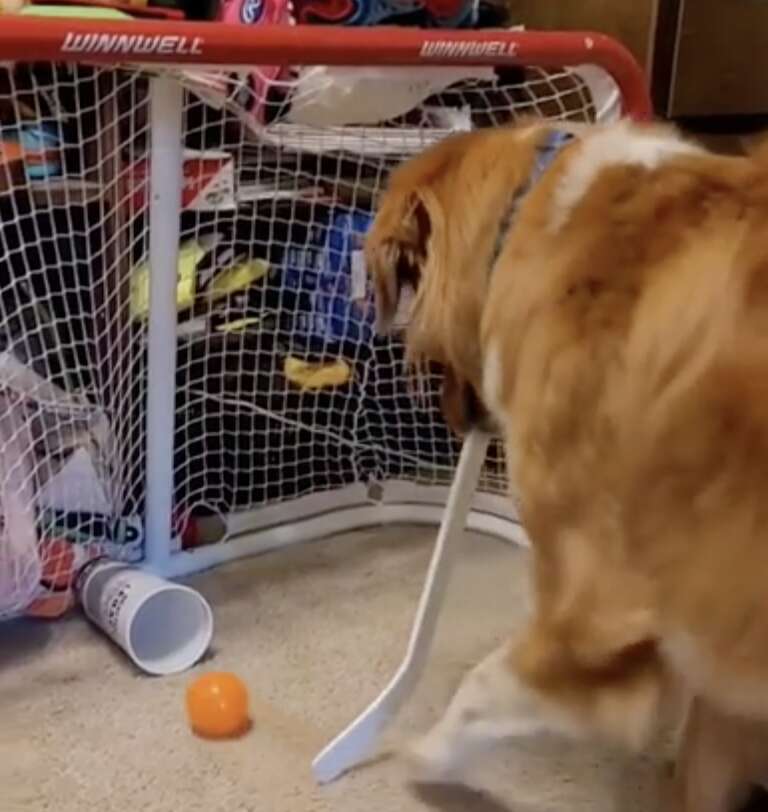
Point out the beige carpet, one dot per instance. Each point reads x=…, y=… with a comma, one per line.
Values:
x=315, y=631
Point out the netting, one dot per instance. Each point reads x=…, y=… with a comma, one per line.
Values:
x=282, y=388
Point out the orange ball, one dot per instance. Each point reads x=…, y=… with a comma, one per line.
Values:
x=217, y=706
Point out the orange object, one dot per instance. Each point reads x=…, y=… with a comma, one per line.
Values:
x=217, y=706
x=11, y=162
x=59, y=569
x=52, y=606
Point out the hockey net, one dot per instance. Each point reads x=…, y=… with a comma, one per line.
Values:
x=285, y=399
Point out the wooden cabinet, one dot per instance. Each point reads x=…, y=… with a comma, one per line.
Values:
x=711, y=57
x=705, y=57
x=631, y=21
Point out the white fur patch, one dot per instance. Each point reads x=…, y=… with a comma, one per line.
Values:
x=492, y=383
x=613, y=146
x=491, y=705
x=493, y=373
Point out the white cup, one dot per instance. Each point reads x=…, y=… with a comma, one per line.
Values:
x=164, y=628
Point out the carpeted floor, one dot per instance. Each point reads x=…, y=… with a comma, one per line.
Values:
x=315, y=631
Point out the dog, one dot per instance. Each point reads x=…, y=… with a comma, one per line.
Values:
x=599, y=296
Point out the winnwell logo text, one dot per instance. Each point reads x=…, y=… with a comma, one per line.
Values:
x=446, y=48
x=131, y=44
x=173, y=45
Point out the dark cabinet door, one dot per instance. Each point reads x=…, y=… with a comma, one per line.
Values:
x=630, y=21
x=719, y=56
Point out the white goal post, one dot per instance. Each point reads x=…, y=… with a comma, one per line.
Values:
x=188, y=373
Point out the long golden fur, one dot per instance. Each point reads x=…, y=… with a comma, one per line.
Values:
x=620, y=344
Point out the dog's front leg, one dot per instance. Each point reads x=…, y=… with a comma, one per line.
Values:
x=490, y=705
x=712, y=767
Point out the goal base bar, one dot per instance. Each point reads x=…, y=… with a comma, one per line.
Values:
x=249, y=538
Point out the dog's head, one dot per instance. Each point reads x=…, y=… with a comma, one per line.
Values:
x=434, y=237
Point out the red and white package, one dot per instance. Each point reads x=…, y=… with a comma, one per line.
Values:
x=208, y=182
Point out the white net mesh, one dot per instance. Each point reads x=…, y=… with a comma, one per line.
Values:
x=282, y=388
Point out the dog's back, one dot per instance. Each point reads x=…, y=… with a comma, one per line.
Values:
x=636, y=364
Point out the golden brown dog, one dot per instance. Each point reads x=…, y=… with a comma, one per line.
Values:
x=612, y=322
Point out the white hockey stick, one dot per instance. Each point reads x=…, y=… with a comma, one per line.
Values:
x=358, y=742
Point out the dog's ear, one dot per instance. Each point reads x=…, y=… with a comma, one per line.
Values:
x=395, y=250
x=409, y=215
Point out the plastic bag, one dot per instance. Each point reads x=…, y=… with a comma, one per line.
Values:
x=334, y=95
x=20, y=564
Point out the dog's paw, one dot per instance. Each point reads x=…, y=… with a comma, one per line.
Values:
x=429, y=760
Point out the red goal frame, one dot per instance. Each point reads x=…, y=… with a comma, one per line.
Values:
x=153, y=42
x=119, y=44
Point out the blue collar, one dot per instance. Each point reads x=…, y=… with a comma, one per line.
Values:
x=546, y=153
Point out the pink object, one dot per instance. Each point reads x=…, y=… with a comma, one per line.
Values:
x=258, y=12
